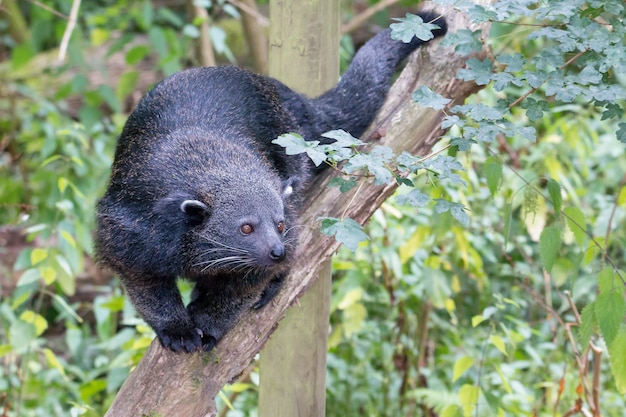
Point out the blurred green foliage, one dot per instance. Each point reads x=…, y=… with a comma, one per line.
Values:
x=429, y=316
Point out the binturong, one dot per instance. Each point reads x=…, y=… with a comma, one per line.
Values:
x=199, y=191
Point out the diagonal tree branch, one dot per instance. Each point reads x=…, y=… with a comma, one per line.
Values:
x=172, y=384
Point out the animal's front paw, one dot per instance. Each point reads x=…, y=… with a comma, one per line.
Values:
x=180, y=338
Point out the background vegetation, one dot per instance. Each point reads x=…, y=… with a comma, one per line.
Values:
x=465, y=303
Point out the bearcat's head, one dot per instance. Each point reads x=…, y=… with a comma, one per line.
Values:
x=241, y=228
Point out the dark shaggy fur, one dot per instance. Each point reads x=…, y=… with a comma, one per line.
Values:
x=199, y=191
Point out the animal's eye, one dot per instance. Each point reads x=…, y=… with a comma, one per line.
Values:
x=246, y=229
x=281, y=227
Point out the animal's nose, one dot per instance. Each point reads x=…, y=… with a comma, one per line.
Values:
x=277, y=253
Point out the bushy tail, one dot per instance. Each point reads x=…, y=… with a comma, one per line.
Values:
x=353, y=103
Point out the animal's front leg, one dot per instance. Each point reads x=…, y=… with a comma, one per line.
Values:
x=215, y=309
x=160, y=305
x=270, y=291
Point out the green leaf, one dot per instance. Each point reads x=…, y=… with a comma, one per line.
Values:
x=617, y=352
x=493, y=174
x=37, y=255
x=53, y=361
x=344, y=185
x=549, y=245
x=478, y=71
x=4, y=349
x=464, y=41
x=621, y=132
x=375, y=163
x=410, y=26
x=136, y=54
x=353, y=318
x=21, y=54
x=554, y=189
x=191, y=31
x=606, y=282
x=62, y=183
x=576, y=223
x=346, y=231
x=413, y=198
x=36, y=320
x=342, y=138
x=21, y=334
x=456, y=209
x=29, y=276
x=295, y=144
x=426, y=97
x=610, y=313
x=468, y=397
x=498, y=342
x=613, y=111
x=460, y=366
x=588, y=324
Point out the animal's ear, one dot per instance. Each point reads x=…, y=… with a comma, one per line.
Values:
x=195, y=210
x=288, y=186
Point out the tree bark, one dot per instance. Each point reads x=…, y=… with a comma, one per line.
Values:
x=169, y=384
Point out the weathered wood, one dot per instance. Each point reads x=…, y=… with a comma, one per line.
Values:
x=185, y=384
x=304, y=54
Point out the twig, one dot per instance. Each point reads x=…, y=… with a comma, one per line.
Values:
x=204, y=48
x=252, y=22
x=246, y=8
x=362, y=17
x=532, y=90
x=48, y=8
x=71, y=24
x=610, y=222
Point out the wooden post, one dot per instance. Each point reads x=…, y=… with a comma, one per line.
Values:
x=304, y=41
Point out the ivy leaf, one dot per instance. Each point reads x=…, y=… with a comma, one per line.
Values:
x=478, y=71
x=346, y=231
x=480, y=112
x=609, y=312
x=343, y=184
x=464, y=41
x=410, y=26
x=452, y=120
x=493, y=174
x=413, y=198
x=462, y=144
x=342, y=138
x=457, y=210
x=295, y=144
x=549, y=245
x=621, y=132
x=375, y=163
x=535, y=108
x=426, y=97
x=514, y=62
x=444, y=165
x=529, y=133
x=554, y=189
x=613, y=111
